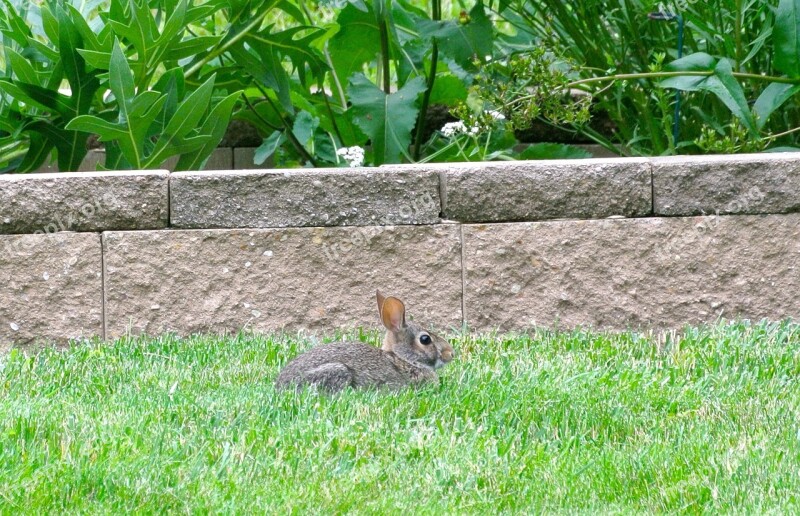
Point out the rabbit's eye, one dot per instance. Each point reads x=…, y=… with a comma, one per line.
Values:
x=425, y=339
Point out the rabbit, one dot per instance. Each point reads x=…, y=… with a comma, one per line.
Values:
x=410, y=355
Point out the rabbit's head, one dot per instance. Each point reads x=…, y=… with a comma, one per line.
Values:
x=410, y=341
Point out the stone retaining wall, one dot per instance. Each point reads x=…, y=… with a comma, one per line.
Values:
x=609, y=243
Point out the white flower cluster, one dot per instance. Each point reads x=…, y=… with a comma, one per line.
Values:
x=354, y=156
x=455, y=128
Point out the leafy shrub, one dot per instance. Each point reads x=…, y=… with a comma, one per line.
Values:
x=370, y=77
x=741, y=67
x=125, y=75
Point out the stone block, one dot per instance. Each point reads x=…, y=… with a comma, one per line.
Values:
x=616, y=274
x=302, y=198
x=275, y=279
x=83, y=201
x=540, y=190
x=731, y=184
x=52, y=288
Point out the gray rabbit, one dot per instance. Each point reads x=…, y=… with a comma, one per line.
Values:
x=410, y=355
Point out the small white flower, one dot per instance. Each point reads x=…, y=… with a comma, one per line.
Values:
x=354, y=156
x=496, y=115
x=451, y=129
x=455, y=128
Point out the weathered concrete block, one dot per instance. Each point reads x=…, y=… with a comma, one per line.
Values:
x=719, y=185
x=51, y=290
x=538, y=190
x=286, y=198
x=83, y=201
x=662, y=272
x=313, y=278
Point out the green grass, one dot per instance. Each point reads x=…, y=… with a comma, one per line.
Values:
x=704, y=421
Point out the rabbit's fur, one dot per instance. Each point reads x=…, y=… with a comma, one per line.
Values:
x=410, y=354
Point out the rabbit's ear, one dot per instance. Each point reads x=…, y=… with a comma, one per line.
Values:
x=380, y=302
x=393, y=314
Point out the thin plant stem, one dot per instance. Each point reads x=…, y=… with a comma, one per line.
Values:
x=380, y=13
x=288, y=129
x=333, y=119
x=426, y=97
x=662, y=75
x=254, y=24
x=258, y=115
x=779, y=135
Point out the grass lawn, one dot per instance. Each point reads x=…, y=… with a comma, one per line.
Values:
x=707, y=420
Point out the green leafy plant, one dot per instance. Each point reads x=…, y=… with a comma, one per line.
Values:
x=31, y=86
x=153, y=125
x=368, y=80
x=734, y=47
x=141, y=52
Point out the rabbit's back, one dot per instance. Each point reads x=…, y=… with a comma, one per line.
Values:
x=349, y=364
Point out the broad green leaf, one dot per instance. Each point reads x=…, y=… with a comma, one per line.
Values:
x=136, y=112
x=183, y=122
x=297, y=44
x=38, y=96
x=105, y=130
x=176, y=147
x=771, y=99
x=95, y=59
x=386, y=119
x=356, y=43
x=268, y=147
x=142, y=103
x=554, y=151
x=89, y=38
x=71, y=145
x=722, y=84
x=462, y=42
x=39, y=149
x=268, y=69
x=787, y=37
x=695, y=62
x=190, y=111
x=172, y=84
x=174, y=25
x=17, y=29
x=190, y=47
x=120, y=81
x=138, y=27
x=50, y=25
x=304, y=127
x=83, y=85
x=448, y=90
x=214, y=126
x=199, y=13
x=68, y=42
x=22, y=68
x=783, y=149
x=289, y=7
